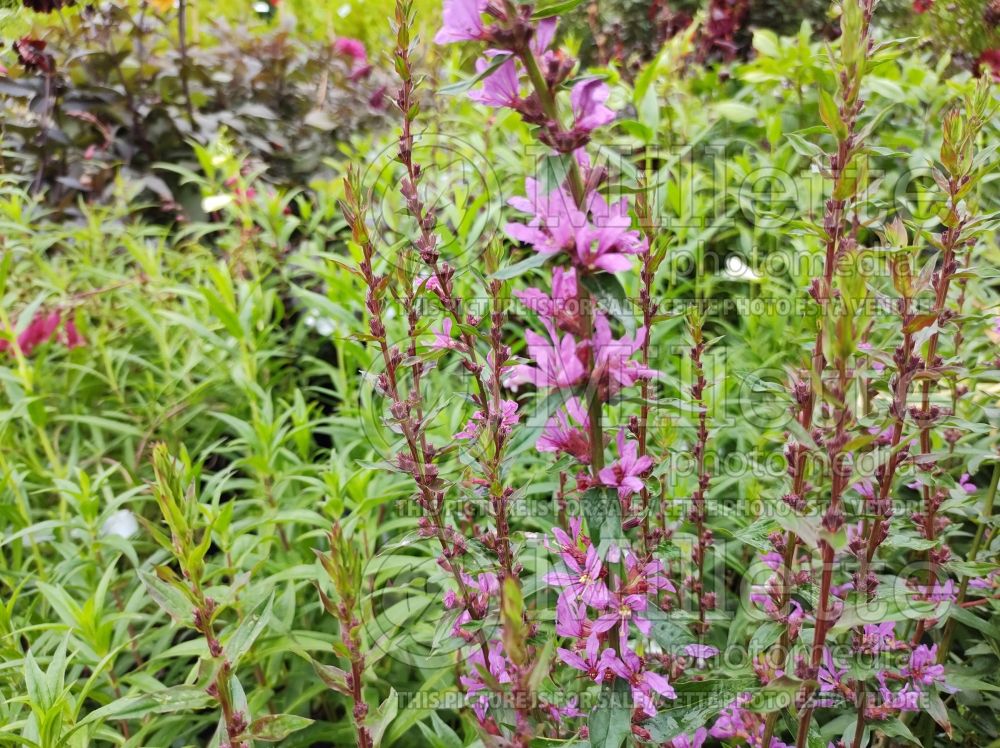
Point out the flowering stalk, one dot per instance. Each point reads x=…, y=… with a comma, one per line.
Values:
x=847, y=170
x=577, y=356
x=417, y=461
x=651, y=261
x=697, y=514
x=494, y=417
x=959, y=174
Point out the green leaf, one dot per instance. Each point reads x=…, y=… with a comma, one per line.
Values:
x=169, y=597
x=275, y=727
x=610, y=721
x=464, y=85
x=535, y=260
x=735, y=111
x=697, y=702
x=167, y=701
x=557, y=8
x=379, y=719
x=894, y=728
x=250, y=628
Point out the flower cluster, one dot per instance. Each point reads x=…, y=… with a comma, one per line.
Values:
x=43, y=328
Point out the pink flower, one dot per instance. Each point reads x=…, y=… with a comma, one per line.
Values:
x=589, y=112
x=642, y=578
x=966, y=484
x=571, y=618
x=879, y=637
x=568, y=711
x=43, y=328
x=830, y=676
x=623, y=610
x=508, y=419
x=462, y=20
x=603, y=245
x=545, y=32
x=644, y=682
x=583, y=581
x=71, y=336
x=567, y=431
x=557, y=363
x=923, y=668
x=613, y=367
x=697, y=740
x=596, y=663
x=596, y=239
x=700, y=652
x=562, y=308
x=626, y=471
x=501, y=88
x=353, y=48
x=443, y=339
x=567, y=542
x=498, y=667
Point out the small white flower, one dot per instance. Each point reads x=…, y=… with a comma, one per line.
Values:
x=738, y=270
x=322, y=325
x=122, y=523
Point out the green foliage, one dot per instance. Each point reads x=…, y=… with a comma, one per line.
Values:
x=224, y=398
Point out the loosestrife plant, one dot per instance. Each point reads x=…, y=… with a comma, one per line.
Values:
x=608, y=638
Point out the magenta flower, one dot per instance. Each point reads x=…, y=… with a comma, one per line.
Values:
x=583, y=581
x=498, y=667
x=353, y=48
x=562, y=308
x=641, y=578
x=567, y=431
x=443, y=339
x=589, y=112
x=624, y=474
x=697, y=740
x=555, y=221
x=44, y=328
x=700, y=652
x=558, y=362
x=462, y=20
x=879, y=637
x=830, y=676
x=922, y=667
x=622, y=611
x=501, y=88
x=545, y=32
x=594, y=664
x=571, y=618
x=614, y=367
x=598, y=239
x=567, y=542
x=604, y=244
x=966, y=484
x=508, y=419
x=569, y=710
x=644, y=682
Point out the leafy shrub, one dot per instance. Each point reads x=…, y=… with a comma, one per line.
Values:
x=116, y=96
